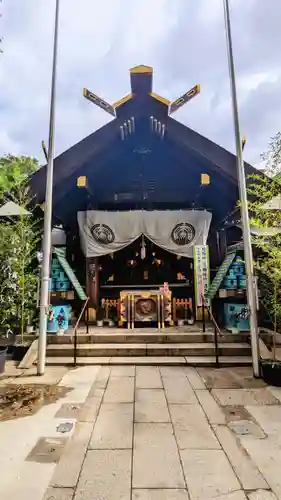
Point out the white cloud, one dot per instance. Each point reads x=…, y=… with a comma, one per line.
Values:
x=100, y=41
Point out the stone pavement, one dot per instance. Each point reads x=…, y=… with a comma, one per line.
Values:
x=150, y=433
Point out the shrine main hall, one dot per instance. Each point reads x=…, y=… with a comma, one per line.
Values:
x=144, y=212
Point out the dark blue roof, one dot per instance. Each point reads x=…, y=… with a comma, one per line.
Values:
x=142, y=169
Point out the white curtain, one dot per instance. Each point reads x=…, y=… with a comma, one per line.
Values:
x=178, y=231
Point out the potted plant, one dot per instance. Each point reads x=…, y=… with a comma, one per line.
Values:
x=181, y=315
x=112, y=316
x=99, y=316
x=61, y=319
x=189, y=317
x=3, y=355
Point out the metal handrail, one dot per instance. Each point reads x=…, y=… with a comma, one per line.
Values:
x=216, y=329
x=75, y=331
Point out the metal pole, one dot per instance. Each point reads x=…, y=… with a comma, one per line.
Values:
x=45, y=276
x=251, y=295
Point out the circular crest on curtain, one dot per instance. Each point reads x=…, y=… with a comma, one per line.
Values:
x=102, y=234
x=183, y=234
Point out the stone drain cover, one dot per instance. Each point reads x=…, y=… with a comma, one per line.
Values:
x=247, y=428
x=47, y=450
x=64, y=427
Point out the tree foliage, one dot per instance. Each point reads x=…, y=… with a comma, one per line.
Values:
x=14, y=171
x=19, y=238
x=272, y=157
x=267, y=221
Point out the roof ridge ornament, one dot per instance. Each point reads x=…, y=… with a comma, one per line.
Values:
x=101, y=103
x=180, y=101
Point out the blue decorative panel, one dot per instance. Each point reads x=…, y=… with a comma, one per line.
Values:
x=62, y=286
x=236, y=317
x=230, y=283
x=242, y=282
x=53, y=325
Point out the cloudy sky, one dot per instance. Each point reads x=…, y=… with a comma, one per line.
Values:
x=183, y=40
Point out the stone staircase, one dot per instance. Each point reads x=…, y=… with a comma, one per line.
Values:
x=148, y=346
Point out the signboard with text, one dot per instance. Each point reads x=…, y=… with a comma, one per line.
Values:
x=201, y=273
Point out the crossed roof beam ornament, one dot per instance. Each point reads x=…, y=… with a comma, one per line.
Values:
x=172, y=105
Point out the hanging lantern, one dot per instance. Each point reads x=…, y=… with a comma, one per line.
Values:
x=143, y=249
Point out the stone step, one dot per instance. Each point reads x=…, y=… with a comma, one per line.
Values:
x=147, y=338
x=109, y=350
x=152, y=360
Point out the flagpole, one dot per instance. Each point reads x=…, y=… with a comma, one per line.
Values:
x=48, y=208
x=251, y=288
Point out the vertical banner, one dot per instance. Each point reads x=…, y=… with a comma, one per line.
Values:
x=201, y=273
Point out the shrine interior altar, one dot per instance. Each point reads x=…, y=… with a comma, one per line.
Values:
x=150, y=306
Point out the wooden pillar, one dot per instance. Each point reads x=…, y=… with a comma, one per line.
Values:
x=222, y=244
x=92, y=280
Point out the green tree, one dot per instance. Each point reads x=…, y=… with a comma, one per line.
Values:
x=19, y=238
x=262, y=191
x=272, y=157
x=14, y=171
x=18, y=278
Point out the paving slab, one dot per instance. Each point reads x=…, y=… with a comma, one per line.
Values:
x=59, y=494
x=244, y=376
x=194, y=378
x=83, y=376
x=246, y=471
x=68, y=469
x=261, y=495
x=47, y=450
x=102, y=376
x=148, y=377
x=69, y=410
x=160, y=495
x=146, y=411
x=235, y=495
x=148, y=360
x=172, y=371
x=96, y=391
x=192, y=429
x=119, y=390
x=236, y=413
x=30, y=482
x=67, y=361
x=244, y=397
x=269, y=418
x=114, y=427
x=208, y=474
x=211, y=408
x=266, y=454
x=11, y=371
x=179, y=391
x=275, y=391
x=150, y=396
x=123, y=371
x=53, y=375
x=106, y=475
x=219, y=378
x=156, y=462
x=90, y=409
